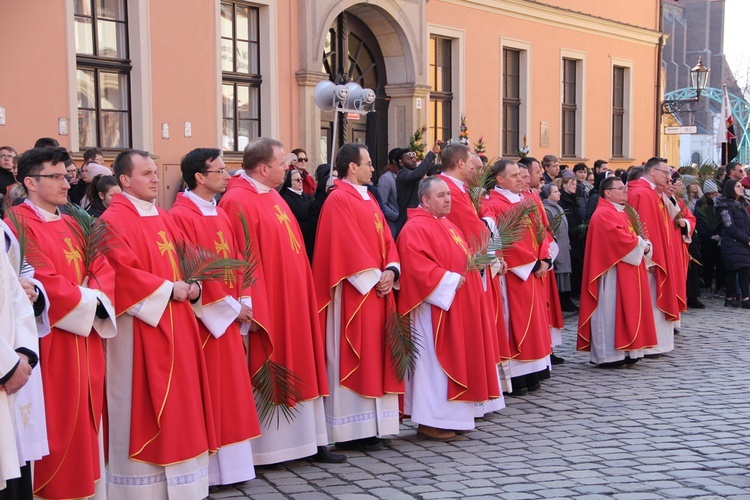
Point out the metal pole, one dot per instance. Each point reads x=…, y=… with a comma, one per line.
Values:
x=334, y=140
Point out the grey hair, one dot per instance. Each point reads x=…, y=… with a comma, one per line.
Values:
x=425, y=186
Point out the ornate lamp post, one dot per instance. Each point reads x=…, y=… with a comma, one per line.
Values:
x=698, y=81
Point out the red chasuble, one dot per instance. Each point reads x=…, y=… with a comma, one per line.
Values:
x=465, y=217
x=235, y=416
x=464, y=335
x=283, y=295
x=529, y=329
x=654, y=215
x=171, y=416
x=353, y=237
x=72, y=366
x=610, y=238
x=681, y=256
x=554, y=309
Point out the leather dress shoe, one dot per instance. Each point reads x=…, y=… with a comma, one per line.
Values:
x=325, y=456
x=612, y=365
x=694, y=303
x=519, y=392
x=556, y=360
x=360, y=445
x=534, y=387
x=435, y=434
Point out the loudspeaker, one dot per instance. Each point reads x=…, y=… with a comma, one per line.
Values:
x=327, y=94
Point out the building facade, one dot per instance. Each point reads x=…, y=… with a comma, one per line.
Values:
x=574, y=78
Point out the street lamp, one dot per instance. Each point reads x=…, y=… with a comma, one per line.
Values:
x=698, y=81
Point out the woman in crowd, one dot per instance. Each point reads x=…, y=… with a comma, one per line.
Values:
x=574, y=211
x=708, y=226
x=550, y=198
x=735, y=242
x=300, y=163
x=299, y=202
x=101, y=190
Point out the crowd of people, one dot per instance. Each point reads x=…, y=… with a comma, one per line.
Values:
x=337, y=308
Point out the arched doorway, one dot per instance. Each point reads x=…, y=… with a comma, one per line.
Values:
x=352, y=54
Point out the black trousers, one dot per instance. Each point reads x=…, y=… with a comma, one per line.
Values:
x=743, y=274
x=20, y=488
x=713, y=264
x=694, y=270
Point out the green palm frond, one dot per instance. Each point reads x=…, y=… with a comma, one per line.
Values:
x=276, y=392
x=22, y=234
x=512, y=225
x=248, y=255
x=199, y=264
x=402, y=342
x=486, y=254
x=636, y=224
x=554, y=222
x=93, y=235
x=477, y=185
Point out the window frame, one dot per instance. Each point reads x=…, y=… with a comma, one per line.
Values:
x=628, y=68
x=511, y=104
x=573, y=112
x=441, y=100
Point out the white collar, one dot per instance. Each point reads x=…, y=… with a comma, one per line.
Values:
x=206, y=207
x=362, y=190
x=510, y=195
x=457, y=182
x=43, y=214
x=653, y=186
x=423, y=208
x=620, y=208
x=144, y=208
x=297, y=192
x=259, y=186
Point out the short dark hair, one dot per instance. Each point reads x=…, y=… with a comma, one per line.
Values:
x=348, y=153
x=259, y=150
x=580, y=166
x=100, y=184
x=297, y=151
x=652, y=162
x=598, y=164
x=425, y=186
x=9, y=149
x=90, y=154
x=498, y=168
x=607, y=183
x=195, y=162
x=527, y=161
x=123, y=164
x=30, y=163
x=453, y=152
x=730, y=166
x=636, y=173
x=548, y=160
x=46, y=142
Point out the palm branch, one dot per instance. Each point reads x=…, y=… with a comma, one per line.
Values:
x=248, y=255
x=486, y=254
x=554, y=222
x=199, y=264
x=277, y=392
x=477, y=185
x=540, y=228
x=92, y=235
x=22, y=234
x=680, y=215
x=512, y=225
x=636, y=224
x=402, y=342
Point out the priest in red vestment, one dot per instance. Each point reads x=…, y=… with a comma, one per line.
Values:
x=355, y=266
x=81, y=312
x=647, y=201
x=285, y=328
x=208, y=226
x=682, y=225
x=161, y=424
x=460, y=169
x=456, y=368
x=528, y=261
x=616, y=320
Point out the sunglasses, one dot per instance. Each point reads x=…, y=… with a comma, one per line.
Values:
x=302, y=160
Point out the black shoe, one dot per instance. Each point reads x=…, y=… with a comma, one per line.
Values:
x=519, y=392
x=731, y=303
x=567, y=305
x=359, y=445
x=694, y=303
x=612, y=365
x=652, y=356
x=556, y=360
x=745, y=304
x=676, y=331
x=535, y=387
x=630, y=362
x=325, y=456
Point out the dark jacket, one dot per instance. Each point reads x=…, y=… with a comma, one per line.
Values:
x=735, y=234
x=407, y=182
x=96, y=208
x=299, y=204
x=574, y=212
x=708, y=221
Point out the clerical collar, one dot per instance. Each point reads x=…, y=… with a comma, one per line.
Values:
x=206, y=207
x=43, y=214
x=434, y=217
x=510, y=195
x=457, y=182
x=620, y=208
x=259, y=186
x=298, y=193
x=362, y=190
x=653, y=186
x=144, y=208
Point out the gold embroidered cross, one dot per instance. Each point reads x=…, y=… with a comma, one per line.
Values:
x=379, y=227
x=222, y=248
x=168, y=248
x=284, y=219
x=459, y=241
x=74, y=256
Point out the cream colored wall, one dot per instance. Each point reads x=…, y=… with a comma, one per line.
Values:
x=484, y=29
x=33, y=72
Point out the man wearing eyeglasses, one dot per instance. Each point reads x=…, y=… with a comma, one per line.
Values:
x=355, y=267
x=225, y=308
x=644, y=195
x=408, y=177
x=616, y=321
x=80, y=308
x=7, y=155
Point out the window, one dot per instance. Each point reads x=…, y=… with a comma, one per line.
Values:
x=441, y=88
x=511, y=101
x=569, y=107
x=241, y=78
x=618, y=112
x=102, y=74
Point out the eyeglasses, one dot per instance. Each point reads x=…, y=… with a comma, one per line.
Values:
x=55, y=177
x=411, y=154
x=369, y=164
x=7, y=157
x=296, y=179
x=303, y=160
x=219, y=171
x=663, y=171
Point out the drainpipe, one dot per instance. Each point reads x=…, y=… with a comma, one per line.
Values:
x=659, y=54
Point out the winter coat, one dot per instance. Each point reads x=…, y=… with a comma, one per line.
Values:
x=387, y=188
x=708, y=221
x=562, y=262
x=735, y=234
x=576, y=225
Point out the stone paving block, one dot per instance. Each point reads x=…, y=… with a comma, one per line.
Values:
x=682, y=492
x=314, y=495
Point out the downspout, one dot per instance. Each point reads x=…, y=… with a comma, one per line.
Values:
x=659, y=54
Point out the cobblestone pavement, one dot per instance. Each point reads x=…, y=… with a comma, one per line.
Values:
x=674, y=427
